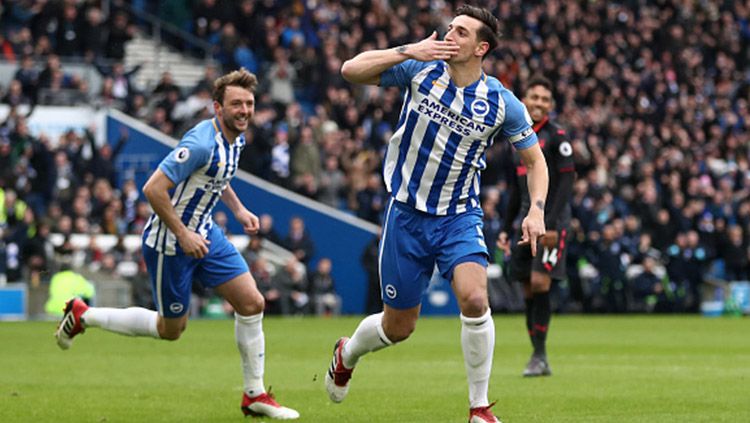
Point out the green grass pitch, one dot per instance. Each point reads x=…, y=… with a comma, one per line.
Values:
x=606, y=369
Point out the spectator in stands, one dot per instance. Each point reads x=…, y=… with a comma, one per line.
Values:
x=220, y=220
x=253, y=250
x=197, y=105
x=160, y=120
x=122, y=86
x=244, y=57
x=652, y=292
x=210, y=74
x=7, y=159
x=103, y=158
x=307, y=186
x=613, y=285
x=37, y=255
x=43, y=17
x=64, y=285
x=298, y=241
x=129, y=196
x=247, y=21
x=120, y=32
x=372, y=199
x=264, y=273
x=69, y=40
x=6, y=49
x=52, y=65
x=111, y=222
x=291, y=281
x=267, y=231
x=305, y=159
x=282, y=78
x=206, y=14
x=166, y=83
x=322, y=290
x=12, y=208
x=93, y=34
x=43, y=47
x=226, y=42
x=102, y=196
x=15, y=95
x=138, y=107
x=657, y=121
x=65, y=179
x=22, y=42
x=256, y=158
x=280, y=157
x=141, y=285
x=332, y=182
x=27, y=75
x=107, y=96
x=142, y=213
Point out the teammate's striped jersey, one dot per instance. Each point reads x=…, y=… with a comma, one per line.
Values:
x=201, y=167
x=437, y=151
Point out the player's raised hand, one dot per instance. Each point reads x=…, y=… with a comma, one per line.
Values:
x=533, y=229
x=249, y=221
x=193, y=244
x=432, y=49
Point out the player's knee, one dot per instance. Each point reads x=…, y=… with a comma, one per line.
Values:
x=474, y=303
x=254, y=304
x=171, y=334
x=399, y=332
x=539, y=283
x=539, y=287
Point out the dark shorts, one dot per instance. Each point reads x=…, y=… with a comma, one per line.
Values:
x=548, y=261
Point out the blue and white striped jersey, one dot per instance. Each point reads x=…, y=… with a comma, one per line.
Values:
x=201, y=167
x=435, y=156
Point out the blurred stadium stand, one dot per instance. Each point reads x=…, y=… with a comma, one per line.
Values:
x=655, y=95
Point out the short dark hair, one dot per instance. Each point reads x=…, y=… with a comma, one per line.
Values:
x=239, y=78
x=539, y=80
x=490, y=29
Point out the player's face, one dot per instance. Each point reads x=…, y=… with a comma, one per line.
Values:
x=463, y=31
x=237, y=109
x=538, y=101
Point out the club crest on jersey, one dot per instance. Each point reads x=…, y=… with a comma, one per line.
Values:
x=182, y=155
x=176, y=308
x=480, y=108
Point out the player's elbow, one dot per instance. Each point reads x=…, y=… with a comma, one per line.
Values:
x=358, y=72
x=349, y=71
x=148, y=190
x=535, y=159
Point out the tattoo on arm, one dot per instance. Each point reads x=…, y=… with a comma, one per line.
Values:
x=540, y=205
x=401, y=49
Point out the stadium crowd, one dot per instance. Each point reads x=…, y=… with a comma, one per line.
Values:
x=654, y=94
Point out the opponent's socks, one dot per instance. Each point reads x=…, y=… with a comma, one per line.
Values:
x=542, y=312
x=478, y=344
x=369, y=337
x=132, y=321
x=248, y=331
x=529, y=318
